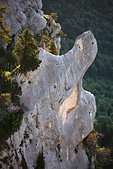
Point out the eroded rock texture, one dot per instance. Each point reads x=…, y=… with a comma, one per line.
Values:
x=23, y=14
x=59, y=113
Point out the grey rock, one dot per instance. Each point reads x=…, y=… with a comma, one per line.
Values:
x=57, y=40
x=59, y=112
x=23, y=14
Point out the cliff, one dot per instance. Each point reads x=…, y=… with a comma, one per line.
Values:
x=58, y=112
x=23, y=14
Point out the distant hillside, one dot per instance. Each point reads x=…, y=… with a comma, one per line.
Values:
x=93, y=15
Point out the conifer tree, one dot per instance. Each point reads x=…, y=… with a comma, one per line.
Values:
x=52, y=47
x=25, y=50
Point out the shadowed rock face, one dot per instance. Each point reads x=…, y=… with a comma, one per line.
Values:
x=23, y=14
x=59, y=112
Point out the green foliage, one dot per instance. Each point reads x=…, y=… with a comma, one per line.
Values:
x=61, y=34
x=5, y=100
x=103, y=90
x=46, y=39
x=25, y=50
x=49, y=36
x=52, y=47
x=104, y=159
x=89, y=15
x=16, y=120
x=7, y=59
x=9, y=96
x=50, y=26
x=10, y=120
x=54, y=16
x=10, y=123
x=4, y=32
x=9, y=85
x=40, y=161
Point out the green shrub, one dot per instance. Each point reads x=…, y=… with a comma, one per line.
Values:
x=10, y=120
x=25, y=50
x=9, y=85
x=40, y=161
x=52, y=47
x=16, y=120
x=9, y=95
x=9, y=124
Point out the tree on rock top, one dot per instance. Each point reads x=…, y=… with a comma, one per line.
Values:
x=25, y=50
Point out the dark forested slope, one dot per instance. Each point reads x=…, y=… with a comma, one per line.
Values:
x=77, y=16
x=93, y=15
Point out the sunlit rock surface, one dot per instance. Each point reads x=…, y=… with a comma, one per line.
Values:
x=59, y=113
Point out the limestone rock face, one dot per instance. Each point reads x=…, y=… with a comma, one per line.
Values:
x=59, y=113
x=23, y=14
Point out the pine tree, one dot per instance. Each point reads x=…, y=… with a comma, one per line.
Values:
x=25, y=50
x=52, y=47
